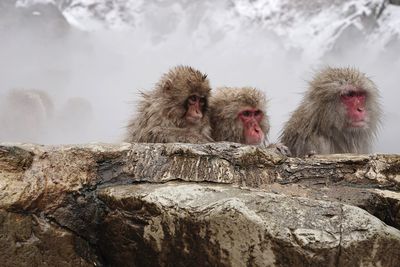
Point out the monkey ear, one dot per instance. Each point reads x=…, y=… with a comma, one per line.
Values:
x=167, y=86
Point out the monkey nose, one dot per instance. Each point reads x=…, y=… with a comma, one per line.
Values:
x=198, y=113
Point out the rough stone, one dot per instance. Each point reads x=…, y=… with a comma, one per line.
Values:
x=29, y=240
x=395, y=2
x=219, y=225
x=219, y=204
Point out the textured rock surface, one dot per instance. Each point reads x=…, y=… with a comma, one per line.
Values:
x=221, y=225
x=215, y=204
x=28, y=240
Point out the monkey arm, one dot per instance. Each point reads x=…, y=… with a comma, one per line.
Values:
x=206, y=132
x=280, y=148
x=317, y=145
x=162, y=134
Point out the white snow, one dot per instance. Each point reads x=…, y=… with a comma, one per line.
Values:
x=312, y=26
x=25, y=3
x=273, y=45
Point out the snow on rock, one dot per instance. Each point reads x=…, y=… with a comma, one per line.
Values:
x=308, y=24
x=389, y=25
x=314, y=26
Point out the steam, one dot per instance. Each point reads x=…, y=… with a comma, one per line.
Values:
x=93, y=78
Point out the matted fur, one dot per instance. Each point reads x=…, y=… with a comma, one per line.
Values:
x=160, y=114
x=319, y=123
x=225, y=105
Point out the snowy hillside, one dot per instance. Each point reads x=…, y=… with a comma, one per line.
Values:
x=310, y=25
x=103, y=52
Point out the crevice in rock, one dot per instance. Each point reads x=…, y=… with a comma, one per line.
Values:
x=44, y=232
x=339, y=253
x=36, y=216
x=97, y=261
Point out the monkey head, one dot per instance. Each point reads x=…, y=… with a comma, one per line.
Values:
x=186, y=91
x=250, y=119
x=345, y=98
x=175, y=111
x=340, y=113
x=238, y=115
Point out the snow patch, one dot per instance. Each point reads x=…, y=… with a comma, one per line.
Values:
x=312, y=26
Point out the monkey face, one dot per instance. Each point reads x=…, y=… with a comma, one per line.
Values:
x=250, y=119
x=354, y=101
x=195, y=109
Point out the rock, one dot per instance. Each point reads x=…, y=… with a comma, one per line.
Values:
x=219, y=225
x=45, y=19
x=29, y=240
x=395, y=2
x=383, y=204
x=220, y=204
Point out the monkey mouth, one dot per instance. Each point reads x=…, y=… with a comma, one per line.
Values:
x=358, y=124
x=193, y=120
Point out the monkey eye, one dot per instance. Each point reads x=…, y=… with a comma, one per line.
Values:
x=350, y=94
x=193, y=98
x=257, y=113
x=202, y=101
x=246, y=113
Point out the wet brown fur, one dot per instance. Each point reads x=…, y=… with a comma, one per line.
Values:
x=225, y=105
x=318, y=124
x=161, y=112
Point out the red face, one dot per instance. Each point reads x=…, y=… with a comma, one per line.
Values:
x=195, y=107
x=251, y=118
x=354, y=101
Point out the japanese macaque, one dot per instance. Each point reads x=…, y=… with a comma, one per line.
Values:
x=25, y=115
x=76, y=113
x=239, y=115
x=340, y=113
x=175, y=111
x=75, y=121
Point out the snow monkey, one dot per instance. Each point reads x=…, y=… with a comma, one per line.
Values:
x=175, y=111
x=25, y=115
x=340, y=113
x=239, y=115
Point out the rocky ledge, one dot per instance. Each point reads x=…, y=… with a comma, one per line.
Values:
x=218, y=204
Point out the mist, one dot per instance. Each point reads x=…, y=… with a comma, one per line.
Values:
x=93, y=78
